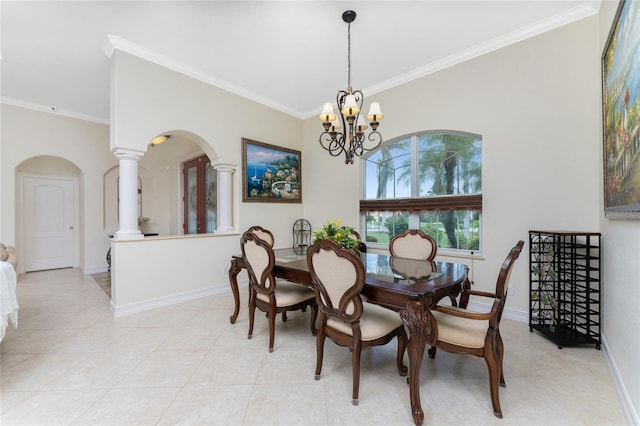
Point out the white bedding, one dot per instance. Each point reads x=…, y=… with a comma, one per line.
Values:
x=8, y=301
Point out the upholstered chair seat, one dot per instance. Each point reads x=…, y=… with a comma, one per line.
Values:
x=461, y=331
x=288, y=294
x=375, y=322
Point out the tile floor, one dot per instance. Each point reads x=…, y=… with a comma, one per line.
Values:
x=71, y=362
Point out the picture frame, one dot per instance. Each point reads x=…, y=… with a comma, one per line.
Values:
x=270, y=173
x=621, y=114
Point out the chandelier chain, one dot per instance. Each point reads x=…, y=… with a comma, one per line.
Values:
x=349, y=55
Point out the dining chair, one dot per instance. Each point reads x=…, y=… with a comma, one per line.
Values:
x=268, y=293
x=413, y=244
x=267, y=236
x=338, y=277
x=262, y=233
x=465, y=331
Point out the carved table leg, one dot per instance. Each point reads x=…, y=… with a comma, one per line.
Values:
x=234, y=270
x=464, y=298
x=419, y=321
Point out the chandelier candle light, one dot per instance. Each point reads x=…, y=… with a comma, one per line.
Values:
x=346, y=135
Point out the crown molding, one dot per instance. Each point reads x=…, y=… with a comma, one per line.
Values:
x=52, y=110
x=572, y=15
x=114, y=43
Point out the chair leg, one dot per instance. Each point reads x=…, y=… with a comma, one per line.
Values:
x=272, y=326
x=284, y=316
x=252, y=312
x=319, y=351
x=493, y=364
x=402, y=346
x=355, y=364
x=432, y=352
x=500, y=360
x=314, y=315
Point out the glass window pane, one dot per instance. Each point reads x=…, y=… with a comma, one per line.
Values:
x=382, y=226
x=459, y=229
x=192, y=201
x=211, y=196
x=388, y=171
x=449, y=164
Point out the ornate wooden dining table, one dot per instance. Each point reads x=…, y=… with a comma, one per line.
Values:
x=407, y=286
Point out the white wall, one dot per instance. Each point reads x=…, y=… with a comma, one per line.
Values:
x=621, y=281
x=148, y=100
x=536, y=105
x=151, y=100
x=27, y=134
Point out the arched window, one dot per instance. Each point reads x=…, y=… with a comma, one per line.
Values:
x=430, y=181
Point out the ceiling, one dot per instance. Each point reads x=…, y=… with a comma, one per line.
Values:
x=290, y=55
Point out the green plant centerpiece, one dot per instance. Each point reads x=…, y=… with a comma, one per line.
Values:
x=342, y=235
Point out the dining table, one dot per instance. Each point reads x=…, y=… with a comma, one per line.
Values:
x=409, y=286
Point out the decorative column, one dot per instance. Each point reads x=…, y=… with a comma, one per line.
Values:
x=128, y=190
x=225, y=197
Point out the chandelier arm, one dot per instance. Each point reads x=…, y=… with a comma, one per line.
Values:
x=331, y=143
x=359, y=98
x=340, y=99
x=375, y=137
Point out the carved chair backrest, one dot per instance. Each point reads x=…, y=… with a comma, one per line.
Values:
x=413, y=244
x=338, y=277
x=259, y=260
x=262, y=233
x=504, y=276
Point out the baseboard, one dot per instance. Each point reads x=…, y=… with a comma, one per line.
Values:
x=627, y=405
x=94, y=270
x=147, y=305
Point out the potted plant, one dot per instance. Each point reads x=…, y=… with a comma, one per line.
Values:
x=342, y=235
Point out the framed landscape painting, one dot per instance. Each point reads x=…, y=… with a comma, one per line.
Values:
x=621, y=114
x=270, y=173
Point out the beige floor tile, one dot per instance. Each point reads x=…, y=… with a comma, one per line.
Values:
x=211, y=405
x=163, y=369
x=98, y=371
x=9, y=399
x=221, y=367
x=144, y=406
x=74, y=363
x=50, y=407
x=141, y=339
x=36, y=372
x=293, y=404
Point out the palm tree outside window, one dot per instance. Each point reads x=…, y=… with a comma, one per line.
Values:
x=429, y=181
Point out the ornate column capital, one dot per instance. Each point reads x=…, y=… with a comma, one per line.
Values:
x=127, y=154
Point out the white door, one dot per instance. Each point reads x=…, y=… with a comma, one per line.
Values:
x=48, y=223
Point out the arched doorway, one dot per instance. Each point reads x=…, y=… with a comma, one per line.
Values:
x=48, y=213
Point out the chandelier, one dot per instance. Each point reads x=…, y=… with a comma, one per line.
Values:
x=346, y=134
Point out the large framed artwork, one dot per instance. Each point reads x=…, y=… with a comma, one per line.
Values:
x=621, y=114
x=270, y=173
